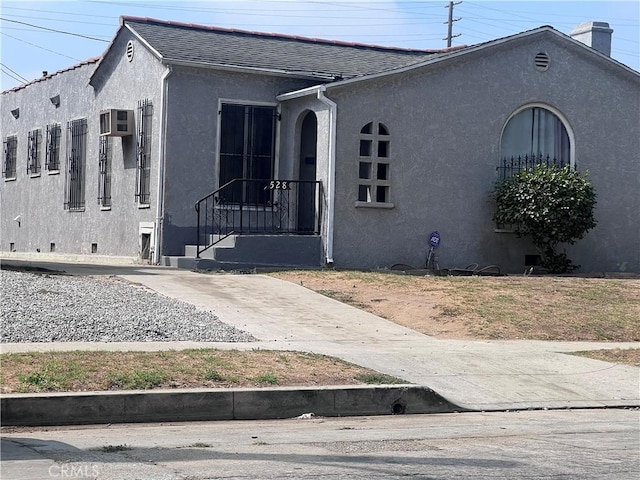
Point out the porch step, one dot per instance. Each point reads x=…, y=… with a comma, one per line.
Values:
x=249, y=251
x=192, y=263
x=228, y=242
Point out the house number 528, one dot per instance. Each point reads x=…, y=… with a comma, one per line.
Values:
x=279, y=185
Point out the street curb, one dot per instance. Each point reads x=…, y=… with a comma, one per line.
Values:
x=218, y=404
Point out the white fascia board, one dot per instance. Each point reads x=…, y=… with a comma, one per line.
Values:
x=300, y=93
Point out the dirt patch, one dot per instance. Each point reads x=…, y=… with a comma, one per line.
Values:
x=508, y=308
x=628, y=357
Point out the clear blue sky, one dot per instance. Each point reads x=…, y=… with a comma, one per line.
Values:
x=27, y=50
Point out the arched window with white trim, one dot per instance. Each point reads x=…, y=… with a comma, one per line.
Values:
x=535, y=134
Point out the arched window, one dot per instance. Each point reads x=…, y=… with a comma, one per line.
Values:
x=373, y=164
x=534, y=135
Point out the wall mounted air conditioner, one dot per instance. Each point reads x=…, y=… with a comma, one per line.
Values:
x=116, y=123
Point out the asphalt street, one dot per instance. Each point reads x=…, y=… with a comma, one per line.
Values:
x=554, y=444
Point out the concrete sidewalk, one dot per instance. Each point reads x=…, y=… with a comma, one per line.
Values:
x=477, y=375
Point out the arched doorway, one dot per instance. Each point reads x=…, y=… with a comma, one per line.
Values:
x=307, y=174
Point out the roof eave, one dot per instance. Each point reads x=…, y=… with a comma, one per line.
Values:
x=301, y=93
x=245, y=69
x=123, y=25
x=456, y=54
x=443, y=58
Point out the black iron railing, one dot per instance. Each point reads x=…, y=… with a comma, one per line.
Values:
x=243, y=207
x=510, y=166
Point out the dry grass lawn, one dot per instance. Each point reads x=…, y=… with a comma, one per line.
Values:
x=508, y=308
x=207, y=368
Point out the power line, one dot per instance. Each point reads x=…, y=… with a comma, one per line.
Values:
x=40, y=47
x=30, y=30
x=11, y=76
x=54, y=30
x=13, y=71
x=66, y=20
x=57, y=12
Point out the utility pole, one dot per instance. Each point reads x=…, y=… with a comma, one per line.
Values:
x=450, y=23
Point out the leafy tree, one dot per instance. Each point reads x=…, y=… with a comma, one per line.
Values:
x=551, y=205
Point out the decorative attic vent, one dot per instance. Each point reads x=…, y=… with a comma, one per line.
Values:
x=130, y=50
x=542, y=61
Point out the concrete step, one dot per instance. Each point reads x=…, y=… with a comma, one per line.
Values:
x=228, y=242
x=249, y=251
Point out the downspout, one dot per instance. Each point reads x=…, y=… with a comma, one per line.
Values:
x=161, y=167
x=331, y=180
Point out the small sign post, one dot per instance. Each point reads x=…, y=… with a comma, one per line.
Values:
x=434, y=239
x=434, y=242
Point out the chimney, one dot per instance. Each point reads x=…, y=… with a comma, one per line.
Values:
x=597, y=35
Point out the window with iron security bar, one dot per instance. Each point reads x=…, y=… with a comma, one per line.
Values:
x=143, y=170
x=76, y=165
x=52, y=160
x=104, y=176
x=34, y=152
x=247, y=148
x=10, y=154
x=510, y=166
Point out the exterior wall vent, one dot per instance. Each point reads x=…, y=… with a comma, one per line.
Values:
x=130, y=50
x=542, y=61
x=116, y=123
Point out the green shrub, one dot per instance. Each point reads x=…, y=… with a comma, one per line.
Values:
x=549, y=204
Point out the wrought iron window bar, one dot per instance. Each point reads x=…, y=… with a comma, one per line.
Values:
x=34, y=152
x=510, y=166
x=104, y=178
x=76, y=161
x=10, y=156
x=143, y=170
x=52, y=156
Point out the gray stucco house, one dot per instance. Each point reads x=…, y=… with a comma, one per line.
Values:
x=295, y=151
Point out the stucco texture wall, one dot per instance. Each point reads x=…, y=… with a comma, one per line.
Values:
x=194, y=97
x=40, y=201
x=445, y=123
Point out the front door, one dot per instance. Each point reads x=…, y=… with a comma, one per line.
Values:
x=307, y=175
x=247, y=150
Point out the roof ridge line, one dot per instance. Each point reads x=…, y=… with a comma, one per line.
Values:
x=212, y=28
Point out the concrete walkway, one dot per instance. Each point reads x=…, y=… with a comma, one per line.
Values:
x=479, y=375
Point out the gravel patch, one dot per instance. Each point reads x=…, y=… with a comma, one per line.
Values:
x=45, y=307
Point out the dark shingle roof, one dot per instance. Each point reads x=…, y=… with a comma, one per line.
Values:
x=177, y=42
